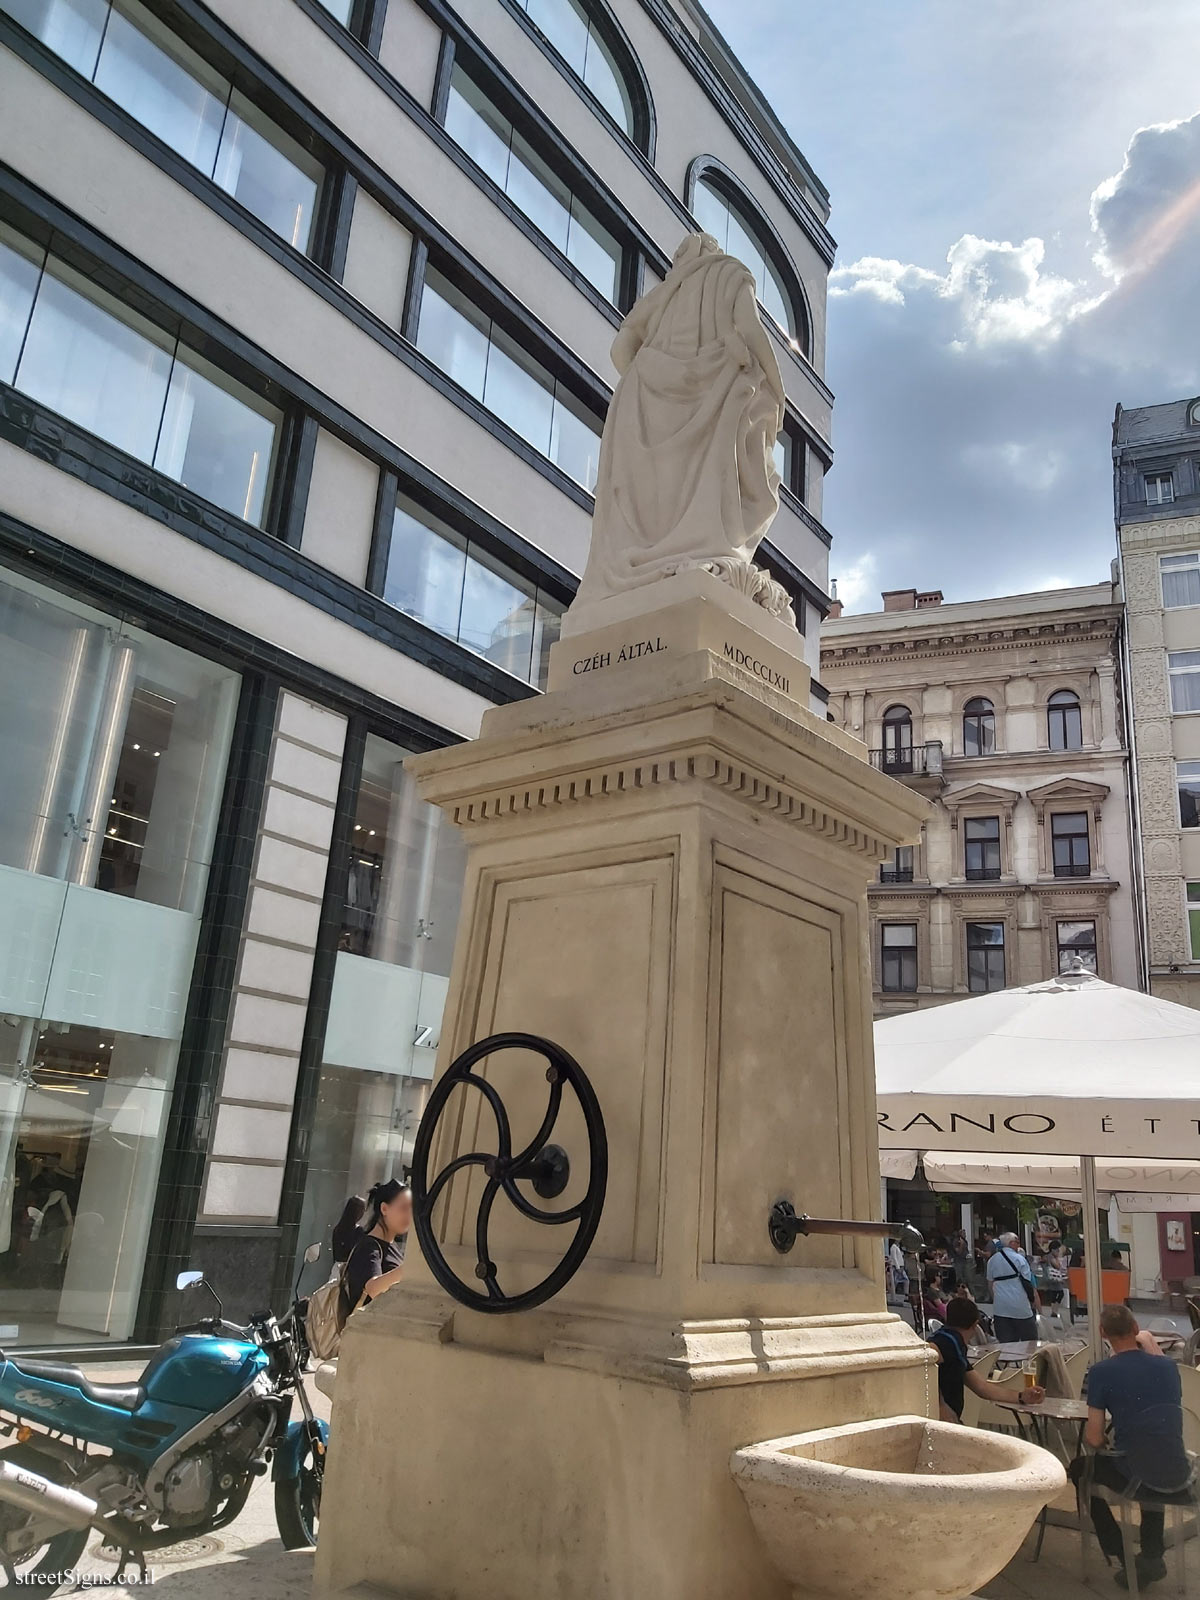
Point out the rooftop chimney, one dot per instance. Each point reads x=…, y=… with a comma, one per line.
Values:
x=835, y=605
x=910, y=599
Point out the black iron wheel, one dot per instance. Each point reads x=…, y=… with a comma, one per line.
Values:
x=545, y=1166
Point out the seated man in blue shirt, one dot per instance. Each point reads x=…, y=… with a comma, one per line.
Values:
x=1142, y=1394
x=1014, y=1305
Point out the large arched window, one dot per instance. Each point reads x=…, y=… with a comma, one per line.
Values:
x=1064, y=720
x=979, y=728
x=738, y=228
x=897, y=739
x=590, y=43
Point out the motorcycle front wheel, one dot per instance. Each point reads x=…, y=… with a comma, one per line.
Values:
x=56, y=1558
x=298, y=1503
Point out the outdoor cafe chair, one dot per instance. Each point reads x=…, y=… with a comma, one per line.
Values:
x=1174, y=1507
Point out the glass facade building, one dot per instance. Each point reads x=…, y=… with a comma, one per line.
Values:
x=399, y=918
x=306, y=313
x=113, y=749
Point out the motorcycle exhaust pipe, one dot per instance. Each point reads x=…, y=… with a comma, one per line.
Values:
x=42, y=1498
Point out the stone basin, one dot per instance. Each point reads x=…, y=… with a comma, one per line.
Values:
x=904, y=1506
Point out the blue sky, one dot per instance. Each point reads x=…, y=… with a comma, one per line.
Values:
x=1016, y=199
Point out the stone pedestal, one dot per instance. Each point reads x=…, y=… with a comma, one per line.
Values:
x=666, y=875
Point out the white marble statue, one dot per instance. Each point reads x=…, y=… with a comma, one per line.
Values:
x=687, y=471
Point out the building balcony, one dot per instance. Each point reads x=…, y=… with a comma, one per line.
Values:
x=919, y=765
x=895, y=874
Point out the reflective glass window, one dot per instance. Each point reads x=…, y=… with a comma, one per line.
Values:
x=341, y=9
x=898, y=957
x=1183, y=674
x=979, y=728
x=90, y=358
x=216, y=438
x=268, y=172
x=981, y=845
x=460, y=588
x=488, y=137
x=736, y=234
x=1188, y=778
x=1064, y=720
x=404, y=875
x=985, y=957
x=166, y=86
x=490, y=364
x=1180, y=579
x=516, y=391
x=71, y=28
x=567, y=26
x=1076, y=946
x=20, y=269
x=454, y=334
x=1071, y=844
x=113, y=753
x=149, y=72
x=96, y=362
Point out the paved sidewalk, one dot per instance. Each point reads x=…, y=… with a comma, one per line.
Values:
x=249, y=1563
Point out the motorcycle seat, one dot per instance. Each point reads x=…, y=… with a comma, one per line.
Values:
x=124, y=1396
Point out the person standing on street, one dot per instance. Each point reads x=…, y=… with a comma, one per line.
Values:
x=1015, y=1300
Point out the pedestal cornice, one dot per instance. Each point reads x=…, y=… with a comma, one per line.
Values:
x=697, y=724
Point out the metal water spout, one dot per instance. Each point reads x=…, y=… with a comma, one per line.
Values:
x=784, y=1226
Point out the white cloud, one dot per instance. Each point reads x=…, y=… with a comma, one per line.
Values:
x=856, y=583
x=975, y=403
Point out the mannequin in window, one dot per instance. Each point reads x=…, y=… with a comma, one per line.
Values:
x=687, y=472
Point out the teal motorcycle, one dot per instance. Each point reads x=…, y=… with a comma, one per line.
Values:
x=170, y=1457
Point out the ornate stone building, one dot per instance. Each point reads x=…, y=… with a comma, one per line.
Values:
x=1156, y=459
x=1006, y=713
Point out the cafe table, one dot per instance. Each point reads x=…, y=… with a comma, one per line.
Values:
x=1035, y=1422
x=1012, y=1355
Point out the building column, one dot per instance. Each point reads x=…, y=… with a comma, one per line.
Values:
x=251, y=1117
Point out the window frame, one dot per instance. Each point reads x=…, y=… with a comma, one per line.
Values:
x=1191, y=914
x=431, y=512
x=1072, y=868
x=978, y=720
x=175, y=336
x=987, y=949
x=1179, y=792
x=760, y=228
x=1059, y=705
x=899, y=750
x=565, y=166
x=1158, y=478
x=325, y=241
x=983, y=872
x=898, y=871
x=1183, y=561
x=630, y=72
x=903, y=959
x=1061, y=950
x=425, y=262
x=1184, y=671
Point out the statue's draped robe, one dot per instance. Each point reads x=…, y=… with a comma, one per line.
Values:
x=687, y=472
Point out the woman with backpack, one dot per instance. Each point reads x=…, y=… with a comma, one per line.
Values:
x=377, y=1259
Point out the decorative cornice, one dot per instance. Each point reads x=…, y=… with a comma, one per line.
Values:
x=737, y=778
x=968, y=639
x=695, y=726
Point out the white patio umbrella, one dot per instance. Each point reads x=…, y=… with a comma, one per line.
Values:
x=1074, y=1067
